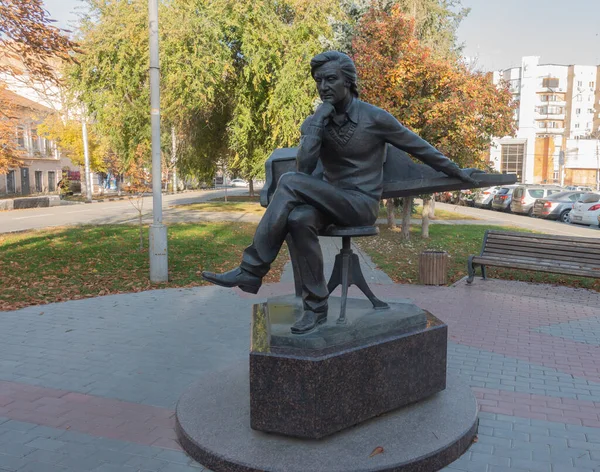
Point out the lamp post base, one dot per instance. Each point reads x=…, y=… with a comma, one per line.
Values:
x=159, y=263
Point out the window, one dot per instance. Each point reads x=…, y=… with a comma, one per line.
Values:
x=555, y=176
x=590, y=110
x=51, y=181
x=576, y=125
x=537, y=193
x=592, y=84
x=21, y=137
x=580, y=98
x=35, y=142
x=38, y=181
x=579, y=83
x=511, y=159
x=577, y=111
x=550, y=82
x=575, y=197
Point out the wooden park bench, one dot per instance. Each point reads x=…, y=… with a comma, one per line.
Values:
x=530, y=251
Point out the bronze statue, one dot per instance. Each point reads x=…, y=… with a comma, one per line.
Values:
x=349, y=138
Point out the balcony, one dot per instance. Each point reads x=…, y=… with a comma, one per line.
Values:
x=549, y=116
x=549, y=130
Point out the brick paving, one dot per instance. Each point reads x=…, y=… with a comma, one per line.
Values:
x=91, y=385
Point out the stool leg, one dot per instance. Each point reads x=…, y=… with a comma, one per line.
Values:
x=345, y=270
x=336, y=274
x=358, y=279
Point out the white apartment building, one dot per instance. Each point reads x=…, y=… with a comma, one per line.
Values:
x=557, y=117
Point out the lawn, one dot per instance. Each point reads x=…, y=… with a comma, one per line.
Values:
x=60, y=264
x=234, y=204
x=439, y=214
x=400, y=259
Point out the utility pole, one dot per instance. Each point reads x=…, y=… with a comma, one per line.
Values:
x=86, y=157
x=159, y=268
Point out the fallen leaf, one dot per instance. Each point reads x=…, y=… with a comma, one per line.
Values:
x=377, y=450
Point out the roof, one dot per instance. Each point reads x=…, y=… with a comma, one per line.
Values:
x=22, y=102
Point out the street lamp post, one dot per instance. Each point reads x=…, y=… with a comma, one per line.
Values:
x=159, y=270
x=86, y=160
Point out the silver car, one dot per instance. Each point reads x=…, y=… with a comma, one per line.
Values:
x=483, y=197
x=557, y=206
x=503, y=197
x=524, y=196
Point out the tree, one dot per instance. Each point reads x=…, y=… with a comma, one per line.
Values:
x=458, y=111
x=9, y=150
x=273, y=43
x=29, y=43
x=67, y=135
x=436, y=22
x=29, y=48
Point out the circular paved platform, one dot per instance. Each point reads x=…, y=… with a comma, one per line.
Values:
x=213, y=426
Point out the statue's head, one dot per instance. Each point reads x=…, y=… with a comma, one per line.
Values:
x=335, y=60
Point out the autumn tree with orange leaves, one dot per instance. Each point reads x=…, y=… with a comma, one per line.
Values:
x=455, y=109
x=30, y=46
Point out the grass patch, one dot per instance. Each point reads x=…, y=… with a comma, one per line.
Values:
x=400, y=259
x=227, y=207
x=61, y=264
x=238, y=198
x=439, y=214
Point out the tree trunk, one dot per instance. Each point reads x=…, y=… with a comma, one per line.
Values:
x=391, y=218
x=406, y=214
x=174, y=157
x=425, y=217
x=432, y=208
x=251, y=187
x=140, y=211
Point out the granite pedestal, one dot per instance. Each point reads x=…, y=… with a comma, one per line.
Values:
x=384, y=373
x=213, y=427
x=338, y=376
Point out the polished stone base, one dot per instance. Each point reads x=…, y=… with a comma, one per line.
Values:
x=339, y=376
x=213, y=426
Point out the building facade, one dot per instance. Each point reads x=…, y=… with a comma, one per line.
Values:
x=40, y=164
x=558, y=124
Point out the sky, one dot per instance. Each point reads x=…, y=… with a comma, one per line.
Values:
x=496, y=33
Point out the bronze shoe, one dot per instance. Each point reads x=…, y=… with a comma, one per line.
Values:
x=237, y=277
x=309, y=321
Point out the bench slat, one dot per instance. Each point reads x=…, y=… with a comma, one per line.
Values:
x=543, y=236
x=589, y=244
x=542, y=253
x=540, y=260
x=541, y=267
x=591, y=251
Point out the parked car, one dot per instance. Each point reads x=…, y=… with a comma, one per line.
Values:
x=524, y=196
x=483, y=198
x=586, y=210
x=238, y=183
x=576, y=187
x=557, y=206
x=503, y=197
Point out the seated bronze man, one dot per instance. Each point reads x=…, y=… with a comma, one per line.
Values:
x=349, y=137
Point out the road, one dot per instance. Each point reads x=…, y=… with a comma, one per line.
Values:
x=119, y=211
x=523, y=221
x=123, y=211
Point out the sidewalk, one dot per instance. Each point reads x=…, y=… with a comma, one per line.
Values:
x=91, y=385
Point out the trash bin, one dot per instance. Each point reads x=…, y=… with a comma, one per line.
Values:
x=433, y=268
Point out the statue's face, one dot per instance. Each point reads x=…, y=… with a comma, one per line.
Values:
x=331, y=84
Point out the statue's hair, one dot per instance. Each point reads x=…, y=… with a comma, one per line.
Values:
x=346, y=66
